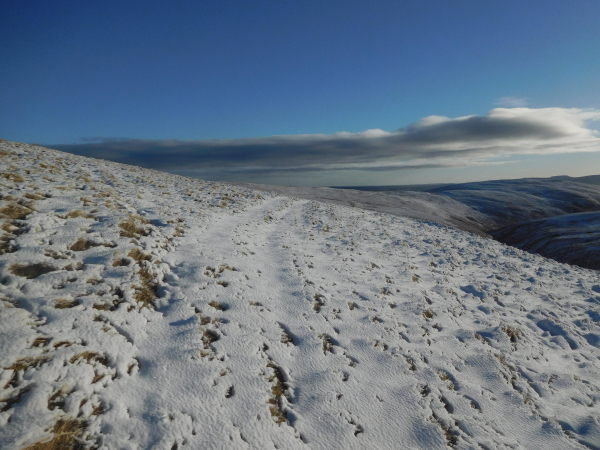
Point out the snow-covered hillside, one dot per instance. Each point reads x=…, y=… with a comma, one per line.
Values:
x=414, y=205
x=540, y=215
x=145, y=310
x=571, y=238
x=511, y=201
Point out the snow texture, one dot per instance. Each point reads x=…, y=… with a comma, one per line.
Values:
x=511, y=201
x=158, y=311
x=570, y=238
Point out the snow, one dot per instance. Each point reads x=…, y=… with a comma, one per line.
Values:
x=570, y=238
x=510, y=201
x=556, y=217
x=276, y=322
x=415, y=205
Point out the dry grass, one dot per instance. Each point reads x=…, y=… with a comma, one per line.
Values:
x=97, y=377
x=218, y=305
x=26, y=363
x=327, y=344
x=15, y=211
x=6, y=246
x=76, y=213
x=31, y=271
x=451, y=439
x=13, y=177
x=41, y=341
x=32, y=196
x=90, y=357
x=55, y=255
x=131, y=229
x=120, y=262
x=277, y=390
x=428, y=314
x=82, y=244
x=148, y=291
x=98, y=409
x=22, y=365
x=319, y=302
x=140, y=219
x=286, y=338
x=102, y=194
x=137, y=255
x=280, y=416
x=209, y=336
x=444, y=376
x=10, y=401
x=57, y=400
x=67, y=436
x=102, y=306
x=512, y=333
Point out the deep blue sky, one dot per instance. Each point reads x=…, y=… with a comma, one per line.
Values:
x=229, y=69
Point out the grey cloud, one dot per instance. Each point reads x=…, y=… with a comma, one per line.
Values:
x=431, y=142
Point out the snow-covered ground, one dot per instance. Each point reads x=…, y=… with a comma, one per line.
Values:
x=512, y=201
x=146, y=310
x=571, y=238
x=414, y=205
x=511, y=211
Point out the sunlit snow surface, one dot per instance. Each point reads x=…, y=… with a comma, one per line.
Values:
x=330, y=327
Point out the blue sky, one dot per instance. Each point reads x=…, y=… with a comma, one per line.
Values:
x=195, y=71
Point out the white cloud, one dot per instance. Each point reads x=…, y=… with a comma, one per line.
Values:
x=433, y=141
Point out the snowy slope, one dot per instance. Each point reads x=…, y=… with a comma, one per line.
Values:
x=145, y=310
x=507, y=210
x=511, y=201
x=414, y=205
x=571, y=238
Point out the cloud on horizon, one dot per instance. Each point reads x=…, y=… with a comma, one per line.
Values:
x=432, y=142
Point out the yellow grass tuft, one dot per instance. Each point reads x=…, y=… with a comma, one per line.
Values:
x=26, y=363
x=131, y=229
x=82, y=244
x=89, y=357
x=13, y=177
x=32, y=196
x=147, y=292
x=67, y=436
x=15, y=211
x=31, y=271
x=76, y=213
x=138, y=255
x=64, y=303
